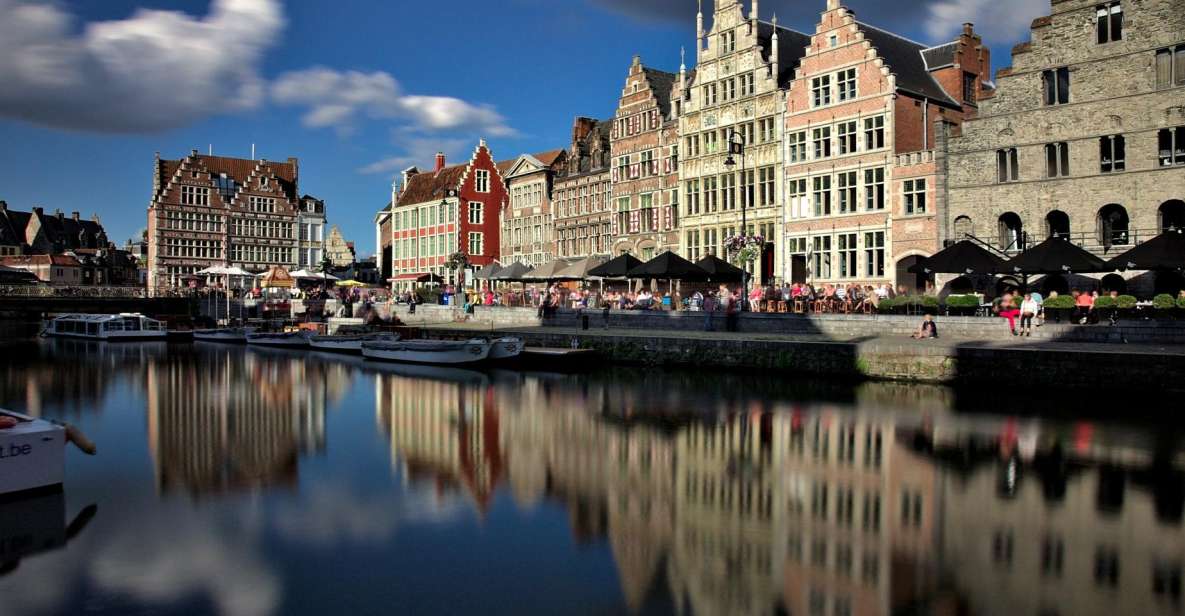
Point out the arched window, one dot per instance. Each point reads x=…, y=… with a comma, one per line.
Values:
x=1172, y=215
x=1011, y=232
x=1057, y=224
x=963, y=227
x=1113, y=225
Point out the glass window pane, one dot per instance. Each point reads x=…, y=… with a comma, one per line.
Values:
x=1164, y=68
x=1179, y=66
x=1063, y=86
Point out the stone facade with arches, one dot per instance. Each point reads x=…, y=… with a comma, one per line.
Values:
x=1073, y=140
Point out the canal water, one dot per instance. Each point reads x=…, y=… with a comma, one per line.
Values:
x=238, y=482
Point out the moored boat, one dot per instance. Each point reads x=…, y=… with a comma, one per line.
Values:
x=125, y=326
x=286, y=340
x=348, y=343
x=32, y=453
x=226, y=334
x=439, y=352
x=506, y=348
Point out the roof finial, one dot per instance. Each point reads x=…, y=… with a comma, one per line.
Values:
x=682, y=59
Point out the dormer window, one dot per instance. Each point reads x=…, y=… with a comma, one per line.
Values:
x=833, y=41
x=263, y=182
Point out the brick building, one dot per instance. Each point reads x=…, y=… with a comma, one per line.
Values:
x=1084, y=136
x=863, y=117
x=216, y=211
x=528, y=221
x=436, y=214
x=581, y=197
x=737, y=87
x=340, y=252
x=644, y=144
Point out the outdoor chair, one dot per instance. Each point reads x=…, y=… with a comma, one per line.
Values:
x=799, y=306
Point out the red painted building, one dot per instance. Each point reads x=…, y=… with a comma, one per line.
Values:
x=438, y=213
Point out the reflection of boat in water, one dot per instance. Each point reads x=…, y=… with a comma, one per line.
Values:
x=348, y=343
x=432, y=373
x=111, y=327
x=283, y=340
x=35, y=523
x=439, y=352
x=32, y=453
x=226, y=334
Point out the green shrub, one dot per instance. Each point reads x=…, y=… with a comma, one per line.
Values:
x=886, y=305
x=1061, y=302
x=929, y=301
x=1126, y=302
x=1106, y=302
x=962, y=301
x=1164, y=301
x=1181, y=303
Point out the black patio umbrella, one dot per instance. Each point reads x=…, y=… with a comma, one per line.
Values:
x=668, y=266
x=965, y=257
x=1165, y=252
x=513, y=272
x=615, y=268
x=488, y=272
x=1055, y=256
x=720, y=270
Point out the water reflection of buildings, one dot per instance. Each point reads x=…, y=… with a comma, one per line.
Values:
x=231, y=420
x=827, y=510
x=64, y=377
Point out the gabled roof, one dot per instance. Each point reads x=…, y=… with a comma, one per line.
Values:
x=940, y=56
x=792, y=46
x=905, y=59
x=237, y=169
x=542, y=160
x=661, y=84
x=423, y=187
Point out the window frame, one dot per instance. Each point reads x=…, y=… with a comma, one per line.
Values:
x=1112, y=154
x=913, y=192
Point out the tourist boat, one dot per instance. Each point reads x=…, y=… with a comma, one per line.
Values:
x=127, y=326
x=348, y=343
x=284, y=340
x=440, y=352
x=32, y=453
x=506, y=348
x=226, y=334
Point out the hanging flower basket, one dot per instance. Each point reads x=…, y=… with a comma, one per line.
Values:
x=744, y=249
x=457, y=261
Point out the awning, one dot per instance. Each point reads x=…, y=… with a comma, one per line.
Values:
x=1056, y=256
x=1165, y=252
x=963, y=257
x=668, y=266
x=421, y=277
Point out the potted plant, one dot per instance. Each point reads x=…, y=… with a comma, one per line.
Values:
x=962, y=305
x=1164, y=305
x=887, y=305
x=1059, y=308
x=1126, y=306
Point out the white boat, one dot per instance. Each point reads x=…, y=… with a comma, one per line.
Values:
x=32, y=454
x=126, y=326
x=441, y=352
x=285, y=340
x=506, y=348
x=348, y=343
x=227, y=334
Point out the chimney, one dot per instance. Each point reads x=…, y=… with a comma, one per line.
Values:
x=969, y=29
x=59, y=214
x=95, y=219
x=439, y=162
x=38, y=210
x=75, y=216
x=832, y=5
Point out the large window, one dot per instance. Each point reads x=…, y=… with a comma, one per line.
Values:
x=710, y=195
x=797, y=147
x=821, y=137
x=1007, y=169
x=728, y=42
x=476, y=215
x=747, y=188
x=769, y=130
x=476, y=244
x=481, y=181
x=1111, y=154
x=821, y=91
x=874, y=254
x=915, y=196
x=693, y=197
x=822, y=256
x=711, y=141
x=195, y=195
x=846, y=84
x=766, y=186
x=1109, y=22
x=748, y=84
x=874, y=133
x=847, y=137
x=1056, y=86
x=1170, y=67
x=1172, y=146
x=847, y=192
x=847, y=255
x=874, y=189
x=822, y=195
x=1057, y=160
x=728, y=191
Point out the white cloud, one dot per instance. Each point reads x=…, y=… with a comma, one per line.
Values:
x=154, y=70
x=339, y=99
x=998, y=21
x=420, y=151
x=331, y=515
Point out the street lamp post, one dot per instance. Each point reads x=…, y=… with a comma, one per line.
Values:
x=736, y=146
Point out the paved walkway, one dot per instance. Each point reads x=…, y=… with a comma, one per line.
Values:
x=941, y=346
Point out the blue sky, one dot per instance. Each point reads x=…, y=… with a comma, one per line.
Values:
x=356, y=89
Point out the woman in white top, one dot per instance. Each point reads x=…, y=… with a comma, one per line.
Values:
x=1028, y=309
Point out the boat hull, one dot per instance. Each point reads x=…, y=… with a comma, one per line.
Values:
x=113, y=337
x=506, y=348
x=429, y=352
x=220, y=335
x=32, y=455
x=278, y=341
x=348, y=344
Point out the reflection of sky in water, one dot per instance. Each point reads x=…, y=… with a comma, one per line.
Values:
x=239, y=483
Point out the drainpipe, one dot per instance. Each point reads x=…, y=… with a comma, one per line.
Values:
x=925, y=123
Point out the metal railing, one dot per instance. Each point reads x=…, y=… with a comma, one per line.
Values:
x=42, y=291
x=1103, y=244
